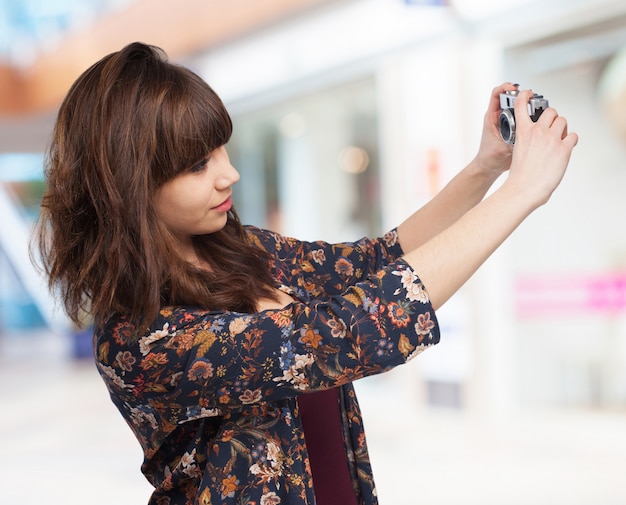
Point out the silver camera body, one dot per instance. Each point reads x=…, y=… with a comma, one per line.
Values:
x=536, y=105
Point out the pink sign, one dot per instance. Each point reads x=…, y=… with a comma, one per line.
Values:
x=567, y=294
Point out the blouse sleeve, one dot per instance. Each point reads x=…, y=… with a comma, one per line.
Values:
x=195, y=363
x=316, y=269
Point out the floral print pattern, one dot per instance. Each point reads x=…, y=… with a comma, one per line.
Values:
x=211, y=396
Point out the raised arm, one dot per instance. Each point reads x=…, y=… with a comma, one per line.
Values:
x=467, y=188
x=539, y=160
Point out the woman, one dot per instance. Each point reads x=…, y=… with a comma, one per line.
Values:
x=231, y=350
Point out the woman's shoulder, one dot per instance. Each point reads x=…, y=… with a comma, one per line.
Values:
x=255, y=232
x=168, y=320
x=268, y=240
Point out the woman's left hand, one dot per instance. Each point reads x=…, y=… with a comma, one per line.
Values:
x=494, y=154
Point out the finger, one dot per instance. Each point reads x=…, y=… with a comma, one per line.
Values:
x=494, y=101
x=560, y=128
x=559, y=124
x=548, y=116
x=570, y=140
x=521, y=106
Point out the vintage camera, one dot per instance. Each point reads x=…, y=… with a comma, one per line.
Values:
x=536, y=106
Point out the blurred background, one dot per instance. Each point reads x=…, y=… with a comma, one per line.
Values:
x=350, y=114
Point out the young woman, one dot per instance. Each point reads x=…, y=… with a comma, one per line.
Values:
x=231, y=350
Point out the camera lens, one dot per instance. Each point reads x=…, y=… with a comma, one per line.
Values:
x=507, y=126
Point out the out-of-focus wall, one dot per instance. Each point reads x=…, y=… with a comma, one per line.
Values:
x=571, y=342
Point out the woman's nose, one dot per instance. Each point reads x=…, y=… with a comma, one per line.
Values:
x=228, y=176
x=234, y=174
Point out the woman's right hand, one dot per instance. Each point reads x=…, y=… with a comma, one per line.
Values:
x=541, y=153
x=540, y=156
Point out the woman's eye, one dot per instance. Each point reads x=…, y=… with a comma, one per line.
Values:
x=198, y=167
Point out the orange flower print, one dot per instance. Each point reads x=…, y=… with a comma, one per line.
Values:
x=203, y=499
x=154, y=360
x=103, y=351
x=181, y=343
x=122, y=332
x=344, y=267
x=281, y=318
x=398, y=314
x=405, y=346
x=201, y=369
x=309, y=287
x=307, y=266
x=310, y=337
x=229, y=486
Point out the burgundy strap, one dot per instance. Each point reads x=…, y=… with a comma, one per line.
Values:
x=321, y=421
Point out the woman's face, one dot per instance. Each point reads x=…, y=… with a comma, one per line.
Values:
x=196, y=202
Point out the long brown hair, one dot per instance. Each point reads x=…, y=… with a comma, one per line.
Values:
x=130, y=123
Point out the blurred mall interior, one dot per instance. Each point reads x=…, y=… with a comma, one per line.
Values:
x=366, y=108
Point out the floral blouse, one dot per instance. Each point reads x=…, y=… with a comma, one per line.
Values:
x=211, y=396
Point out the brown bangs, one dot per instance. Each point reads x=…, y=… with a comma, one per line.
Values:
x=191, y=123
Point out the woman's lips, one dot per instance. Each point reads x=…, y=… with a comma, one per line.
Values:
x=225, y=206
